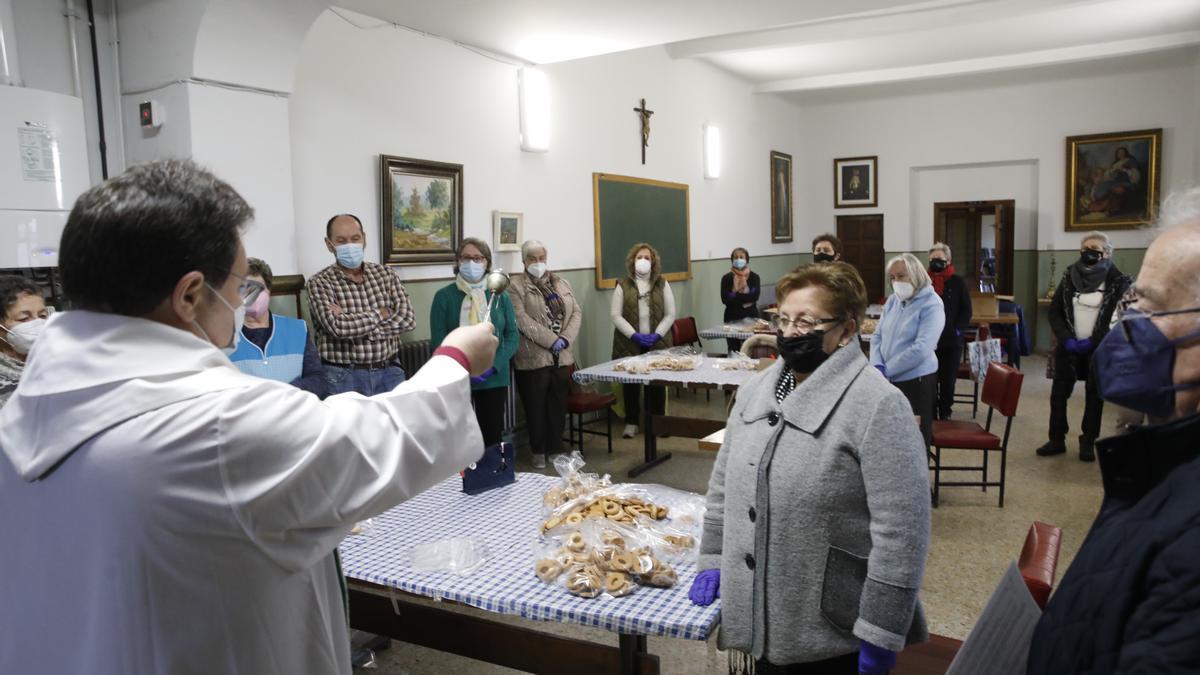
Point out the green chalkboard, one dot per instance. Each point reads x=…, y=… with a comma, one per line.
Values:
x=631, y=210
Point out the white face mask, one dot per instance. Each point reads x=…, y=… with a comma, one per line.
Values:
x=536, y=270
x=239, y=319
x=642, y=266
x=22, y=336
x=902, y=289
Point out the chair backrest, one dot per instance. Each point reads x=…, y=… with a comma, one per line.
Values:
x=1039, y=560
x=761, y=346
x=1002, y=388
x=684, y=332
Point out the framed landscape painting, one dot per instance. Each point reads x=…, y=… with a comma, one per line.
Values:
x=854, y=182
x=781, y=197
x=1112, y=179
x=508, y=228
x=421, y=210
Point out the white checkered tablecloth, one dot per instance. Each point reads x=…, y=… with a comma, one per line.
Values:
x=507, y=520
x=709, y=373
x=737, y=330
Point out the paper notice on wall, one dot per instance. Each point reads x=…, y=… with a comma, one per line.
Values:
x=39, y=154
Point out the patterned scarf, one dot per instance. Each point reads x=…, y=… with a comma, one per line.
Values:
x=939, y=278
x=474, y=291
x=741, y=279
x=555, y=309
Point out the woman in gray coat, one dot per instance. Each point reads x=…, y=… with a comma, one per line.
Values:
x=818, y=506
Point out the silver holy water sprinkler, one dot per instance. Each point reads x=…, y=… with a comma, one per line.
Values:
x=496, y=281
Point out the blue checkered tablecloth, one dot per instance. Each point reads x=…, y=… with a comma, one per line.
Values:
x=507, y=520
x=737, y=330
x=710, y=373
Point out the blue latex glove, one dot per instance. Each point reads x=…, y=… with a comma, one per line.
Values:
x=1084, y=345
x=483, y=378
x=646, y=340
x=957, y=333
x=559, y=345
x=1077, y=346
x=706, y=587
x=882, y=369
x=874, y=660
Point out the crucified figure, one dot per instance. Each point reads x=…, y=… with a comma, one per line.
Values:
x=644, y=115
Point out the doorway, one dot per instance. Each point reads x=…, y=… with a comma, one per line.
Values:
x=979, y=235
x=862, y=247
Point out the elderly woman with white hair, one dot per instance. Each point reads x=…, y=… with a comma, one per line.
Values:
x=902, y=347
x=957, y=303
x=1081, y=314
x=548, y=318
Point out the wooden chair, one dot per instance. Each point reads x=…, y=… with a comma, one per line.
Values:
x=1039, y=560
x=1001, y=392
x=581, y=401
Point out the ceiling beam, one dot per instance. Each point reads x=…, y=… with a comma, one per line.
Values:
x=987, y=64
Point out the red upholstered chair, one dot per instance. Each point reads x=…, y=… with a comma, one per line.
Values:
x=1039, y=560
x=581, y=401
x=1001, y=392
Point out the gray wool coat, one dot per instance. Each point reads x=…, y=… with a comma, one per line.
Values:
x=818, y=516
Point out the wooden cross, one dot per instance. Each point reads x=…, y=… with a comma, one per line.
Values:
x=644, y=115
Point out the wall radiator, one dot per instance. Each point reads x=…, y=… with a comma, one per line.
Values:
x=413, y=355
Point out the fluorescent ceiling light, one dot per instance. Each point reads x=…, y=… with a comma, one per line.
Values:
x=534, y=93
x=712, y=151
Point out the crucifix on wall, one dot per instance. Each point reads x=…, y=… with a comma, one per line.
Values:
x=644, y=116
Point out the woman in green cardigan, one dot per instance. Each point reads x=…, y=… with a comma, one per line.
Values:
x=463, y=303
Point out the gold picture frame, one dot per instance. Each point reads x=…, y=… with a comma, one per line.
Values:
x=1112, y=180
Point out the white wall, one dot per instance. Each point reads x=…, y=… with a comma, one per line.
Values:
x=360, y=93
x=1002, y=131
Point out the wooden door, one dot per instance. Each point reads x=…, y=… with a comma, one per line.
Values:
x=862, y=246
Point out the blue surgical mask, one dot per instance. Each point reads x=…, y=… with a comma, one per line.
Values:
x=1134, y=365
x=471, y=271
x=349, y=256
x=740, y=263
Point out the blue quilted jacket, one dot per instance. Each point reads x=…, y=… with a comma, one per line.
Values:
x=1130, y=602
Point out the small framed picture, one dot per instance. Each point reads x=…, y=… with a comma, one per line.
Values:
x=509, y=229
x=855, y=182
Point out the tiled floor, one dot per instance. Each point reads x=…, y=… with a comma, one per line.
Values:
x=973, y=540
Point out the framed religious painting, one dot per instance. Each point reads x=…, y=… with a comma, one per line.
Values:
x=855, y=182
x=781, y=197
x=1112, y=179
x=508, y=228
x=421, y=210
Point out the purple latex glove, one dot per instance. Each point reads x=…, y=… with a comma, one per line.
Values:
x=1084, y=345
x=559, y=345
x=483, y=378
x=646, y=340
x=882, y=369
x=874, y=660
x=1072, y=345
x=706, y=587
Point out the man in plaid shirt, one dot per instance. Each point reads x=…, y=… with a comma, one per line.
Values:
x=360, y=310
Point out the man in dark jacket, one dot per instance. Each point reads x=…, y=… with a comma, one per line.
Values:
x=1130, y=602
x=957, y=303
x=1080, y=315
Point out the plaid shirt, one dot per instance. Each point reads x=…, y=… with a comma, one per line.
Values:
x=359, y=335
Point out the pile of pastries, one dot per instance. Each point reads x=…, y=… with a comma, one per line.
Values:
x=869, y=326
x=608, y=565
x=613, y=507
x=645, y=364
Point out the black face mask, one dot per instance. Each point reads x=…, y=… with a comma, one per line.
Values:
x=824, y=257
x=1089, y=257
x=938, y=265
x=803, y=353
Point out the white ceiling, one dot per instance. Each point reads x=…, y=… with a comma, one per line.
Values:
x=790, y=45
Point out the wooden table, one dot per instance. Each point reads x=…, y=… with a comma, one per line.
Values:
x=712, y=441
x=1001, y=318
x=708, y=375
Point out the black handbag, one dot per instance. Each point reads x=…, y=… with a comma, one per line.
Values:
x=495, y=469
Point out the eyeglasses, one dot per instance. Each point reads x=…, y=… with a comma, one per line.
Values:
x=474, y=259
x=249, y=289
x=803, y=325
x=1132, y=313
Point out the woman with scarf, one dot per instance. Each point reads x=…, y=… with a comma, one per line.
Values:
x=548, y=318
x=739, y=292
x=464, y=303
x=642, y=312
x=1080, y=315
x=957, y=302
x=818, y=561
